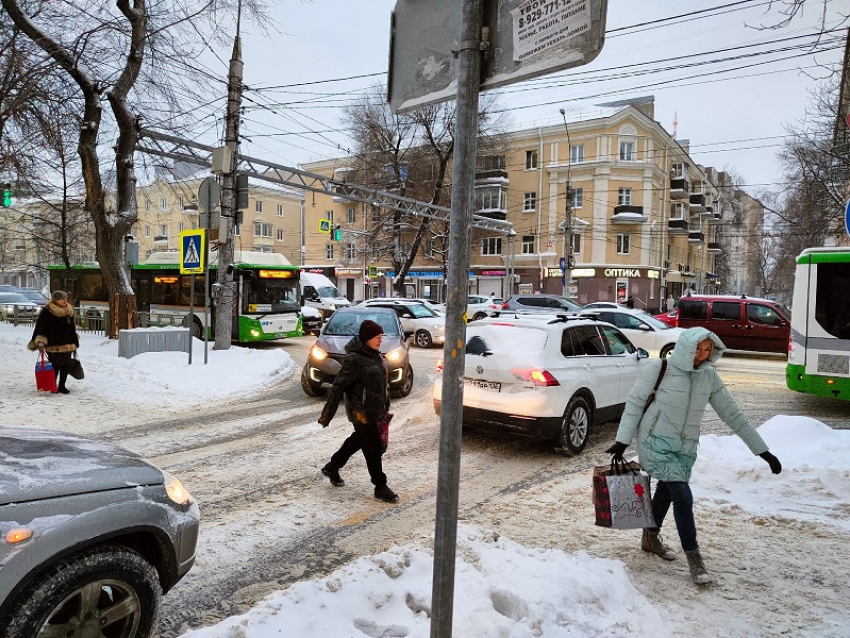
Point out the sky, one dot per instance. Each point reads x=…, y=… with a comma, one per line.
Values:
x=503, y=589
x=316, y=55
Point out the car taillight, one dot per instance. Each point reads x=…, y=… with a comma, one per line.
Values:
x=439, y=366
x=535, y=376
x=505, y=306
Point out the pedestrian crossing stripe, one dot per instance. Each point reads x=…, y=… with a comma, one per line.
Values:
x=192, y=252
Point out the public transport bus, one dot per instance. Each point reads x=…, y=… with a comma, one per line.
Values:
x=819, y=350
x=267, y=301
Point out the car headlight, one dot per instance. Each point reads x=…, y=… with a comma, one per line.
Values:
x=394, y=355
x=175, y=490
x=439, y=328
x=318, y=354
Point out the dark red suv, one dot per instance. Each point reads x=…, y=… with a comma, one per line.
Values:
x=741, y=322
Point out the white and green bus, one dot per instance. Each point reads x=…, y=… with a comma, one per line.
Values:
x=267, y=301
x=819, y=352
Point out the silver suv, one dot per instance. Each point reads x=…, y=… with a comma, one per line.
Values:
x=541, y=303
x=91, y=536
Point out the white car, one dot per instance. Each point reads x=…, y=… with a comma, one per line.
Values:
x=478, y=307
x=551, y=378
x=642, y=329
x=428, y=328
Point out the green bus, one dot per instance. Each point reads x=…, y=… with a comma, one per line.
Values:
x=819, y=352
x=267, y=299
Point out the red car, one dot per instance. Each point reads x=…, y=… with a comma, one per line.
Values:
x=670, y=318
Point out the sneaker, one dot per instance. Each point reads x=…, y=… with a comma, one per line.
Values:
x=333, y=475
x=384, y=493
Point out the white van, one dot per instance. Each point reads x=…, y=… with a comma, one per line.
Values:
x=319, y=292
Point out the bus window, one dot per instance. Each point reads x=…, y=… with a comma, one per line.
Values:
x=165, y=290
x=92, y=287
x=269, y=295
x=186, y=286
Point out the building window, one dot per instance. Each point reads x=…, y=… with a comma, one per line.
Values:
x=491, y=246
x=262, y=230
x=679, y=171
x=264, y=249
x=376, y=253
x=329, y=251
x=258, y=206
x=350, y=251
x=179, y=227
x=163, y=204
x=236, y=232
x=529, y=202
x=280, y=234
x=624, y=197
x=530, y=160
x=376, y=214
x=194, y=225
x=623, y=244
x=180, y=202
x=352, y=216
x=576, y=243
x=627, y=151
x=147, y=231
x=147, y=205
x=428, y=250
x=280, y=210
x=492, y=199
x=163, y=230
x=494, y=162
x=577, y=154
x=578, y=198
x=527, y=244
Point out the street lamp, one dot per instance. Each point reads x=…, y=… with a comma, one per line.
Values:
x=568, y=223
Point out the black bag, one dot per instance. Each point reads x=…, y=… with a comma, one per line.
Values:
x=75, y=368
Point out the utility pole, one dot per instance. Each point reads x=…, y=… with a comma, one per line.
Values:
x=569, y=260
x=224, y=313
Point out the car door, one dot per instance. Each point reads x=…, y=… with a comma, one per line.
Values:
x=600, y=369
x=766, y=329
x=622, y=350
x=726, y=323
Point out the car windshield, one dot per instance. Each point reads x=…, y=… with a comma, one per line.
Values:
x=329, y=292
x=570, y=305
x=13, y=297
x=348, y=323
x=419, y=311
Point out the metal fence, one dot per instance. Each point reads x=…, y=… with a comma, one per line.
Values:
x=93, y=321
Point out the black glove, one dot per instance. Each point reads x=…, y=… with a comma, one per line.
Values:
x=617, y=450
x=772, y=461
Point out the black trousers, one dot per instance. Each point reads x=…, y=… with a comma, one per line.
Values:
x=60, y=360
x=366, y=438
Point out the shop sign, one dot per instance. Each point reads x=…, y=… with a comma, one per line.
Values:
x=327, y=272
x=622, y=272
x=493, y=273
x=348, y=272
x=576, y=273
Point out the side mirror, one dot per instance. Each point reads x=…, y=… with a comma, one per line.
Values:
x=642, y=354
x=645, y=328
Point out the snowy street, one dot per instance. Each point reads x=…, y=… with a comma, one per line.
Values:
x=271, y=520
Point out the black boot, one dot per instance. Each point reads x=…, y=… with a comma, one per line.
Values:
x=333, y=474
x=384, y=493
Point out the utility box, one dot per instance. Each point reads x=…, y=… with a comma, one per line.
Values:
x=141, y=340
x=221, y=159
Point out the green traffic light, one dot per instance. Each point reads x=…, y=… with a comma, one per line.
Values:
x=7, y=195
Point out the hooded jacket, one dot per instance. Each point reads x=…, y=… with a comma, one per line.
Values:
x=55, y=330
x=668, y=433
x=363, y=381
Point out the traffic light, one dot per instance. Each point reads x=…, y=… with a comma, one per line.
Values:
x=337, y=235
x=241, y=192
x=5, y=195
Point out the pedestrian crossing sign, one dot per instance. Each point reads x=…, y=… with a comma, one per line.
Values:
x=192, y=252
x=325, y=226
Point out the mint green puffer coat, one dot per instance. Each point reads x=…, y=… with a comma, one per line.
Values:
x=668, y=434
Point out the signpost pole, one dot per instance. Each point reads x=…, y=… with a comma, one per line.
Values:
x=463, y=182
x=191, y=313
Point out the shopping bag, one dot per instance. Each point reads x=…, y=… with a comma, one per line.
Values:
x=75, y=368
x=384, y=430
x=621, y=496
x=45, y=378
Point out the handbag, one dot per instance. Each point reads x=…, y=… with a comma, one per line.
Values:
x=384, y=430
x=75, y=368
x=621, y=496
x=45, y=378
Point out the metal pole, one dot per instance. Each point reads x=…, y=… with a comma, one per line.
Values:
x=191, y=313
x=463, y=189
x=207, y=285
x=568, y=222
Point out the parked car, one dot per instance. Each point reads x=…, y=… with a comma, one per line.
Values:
x=325, y=357
x=34, y=296
x=10, y=302
x=428, y=328
x=741, y=322
x=670, y=318
x=602, y=304
x=92, y=536
x=478, y=307
x=311, y=320
x=642, y=329
x=541, y=303
x=548, y=378
x=439, y=309
x=9, y=288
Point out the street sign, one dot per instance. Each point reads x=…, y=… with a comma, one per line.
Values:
x=527, y=39
x=562, y=263
x=373, y=271
x=192, y=252
x=209, y=194
x=325, y=226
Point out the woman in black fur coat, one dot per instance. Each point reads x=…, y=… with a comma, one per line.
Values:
x=56, y=334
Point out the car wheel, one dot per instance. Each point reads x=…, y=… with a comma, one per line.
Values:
x=107, y=591
x=666, y=350
x=576, y=425
x=406, y=387
x=310, y=388
x=479, y=315
x=423, y=339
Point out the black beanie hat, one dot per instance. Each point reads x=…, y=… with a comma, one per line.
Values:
x=369, y=330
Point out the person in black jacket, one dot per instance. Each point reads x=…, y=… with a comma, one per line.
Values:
x=363, y=381
x=56, y=334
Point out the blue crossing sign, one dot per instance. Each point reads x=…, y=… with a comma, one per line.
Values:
x=192, y=252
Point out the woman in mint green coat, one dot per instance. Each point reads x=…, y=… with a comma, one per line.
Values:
x=668, y=435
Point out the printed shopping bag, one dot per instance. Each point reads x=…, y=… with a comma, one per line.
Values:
x=621, y=496
x=384, y=429
x=45, y=378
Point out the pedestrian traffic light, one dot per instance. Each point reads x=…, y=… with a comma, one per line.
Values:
x=5, y=195
x=337, y=233
x=241, y=192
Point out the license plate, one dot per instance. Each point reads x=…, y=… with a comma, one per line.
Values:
x=483, y=385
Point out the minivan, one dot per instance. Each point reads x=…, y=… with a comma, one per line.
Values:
x=741, y=322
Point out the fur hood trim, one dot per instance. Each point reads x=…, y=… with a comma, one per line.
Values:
x=58, y=311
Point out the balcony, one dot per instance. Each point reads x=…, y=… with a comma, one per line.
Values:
x=714, y=247
x=696, y=238
x=628, y=214
x=697, y=203
x=497, y=176
x=191, y=209
x=708, y=213
x=677, y=226
x=679, y=188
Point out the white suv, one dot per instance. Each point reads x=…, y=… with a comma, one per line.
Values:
x=428, y=328
x=544, y=377
x=642, y=329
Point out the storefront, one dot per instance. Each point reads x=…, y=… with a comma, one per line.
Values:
x=615, y=283
x=350, y=282
x=489, y=281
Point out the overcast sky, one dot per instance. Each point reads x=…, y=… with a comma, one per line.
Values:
x=734, y=113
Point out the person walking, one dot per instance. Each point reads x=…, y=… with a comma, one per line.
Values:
x=362, y=380
x=667, y=435
x=671, y=303
x=56, y=335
